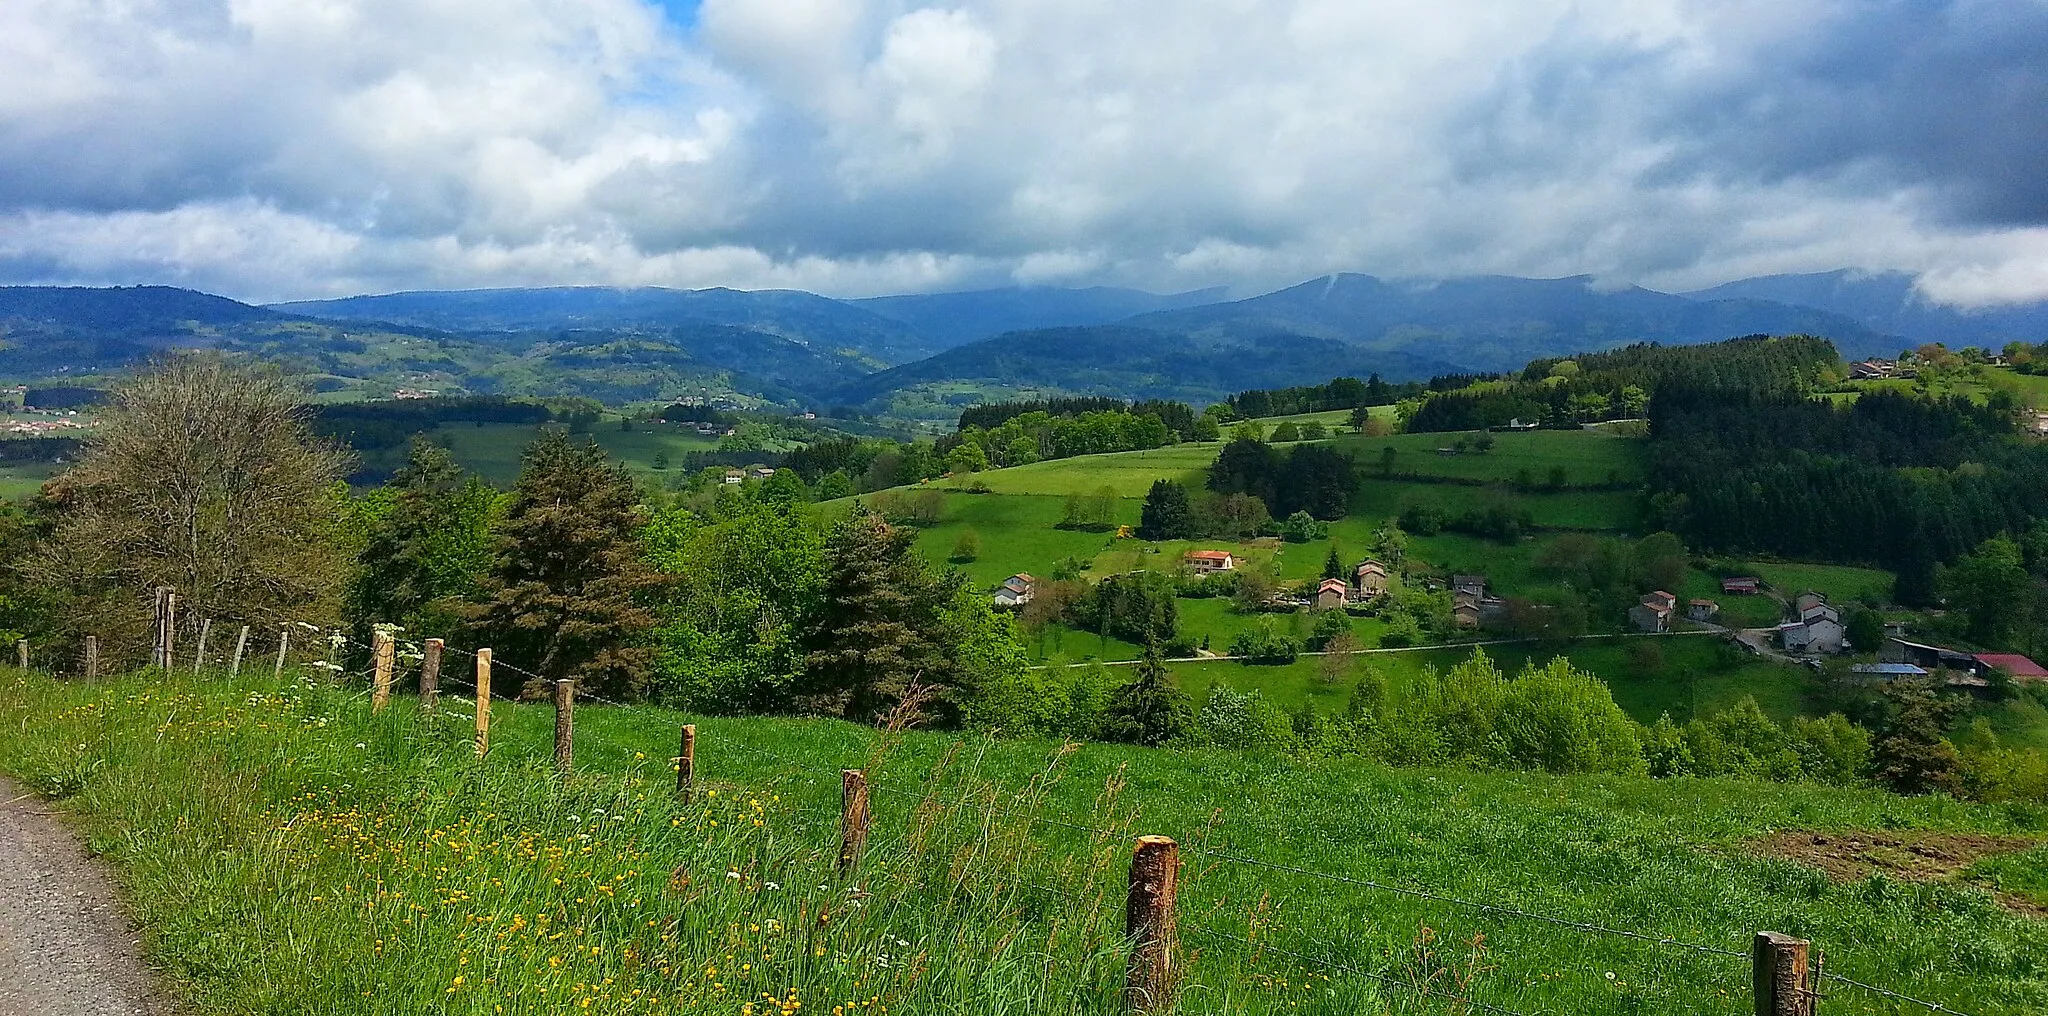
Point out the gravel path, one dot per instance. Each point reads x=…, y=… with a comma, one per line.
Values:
x=66, y=947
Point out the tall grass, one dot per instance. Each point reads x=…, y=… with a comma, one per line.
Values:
x=288, y=852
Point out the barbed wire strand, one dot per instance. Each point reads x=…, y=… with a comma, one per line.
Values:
x=1469, y=904
x=1345, y=968
x=1896, y=996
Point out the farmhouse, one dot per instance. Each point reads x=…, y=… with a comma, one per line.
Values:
x=1015, y=591
x=1471, y=607
x=1927, y=657
x=1703, y=611
x=1331, y=593
x=1873, y=369
x=1653, y=613
x=1820, y=632
x=1207, y=561
x=1746, y=585
x=1371, y=579
x=735, y=475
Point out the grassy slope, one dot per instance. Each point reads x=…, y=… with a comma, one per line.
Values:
x=493, y=449
x=1588, y=457
x=287, y=853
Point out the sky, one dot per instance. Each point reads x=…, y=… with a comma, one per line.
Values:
x=285, y=149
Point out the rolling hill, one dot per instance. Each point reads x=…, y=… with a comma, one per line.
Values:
x=955, y=319
x=1889, y=302
x=1494, y=323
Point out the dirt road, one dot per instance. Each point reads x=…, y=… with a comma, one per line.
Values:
x=66, y=947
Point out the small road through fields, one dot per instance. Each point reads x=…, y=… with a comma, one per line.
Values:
x=66, y=946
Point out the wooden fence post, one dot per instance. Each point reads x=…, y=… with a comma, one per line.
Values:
x=199, y=655
x=169, y=634
x=430, y=672
x=483, y=701
x=92, y=657
x=159, y=652
x=853, y=817
x=1782, y=975
x=686, y=763
x=21, y=653
x=1151, y=925
x=241, y=645
x=284, y=640
x=565, y=726
x=380, y=685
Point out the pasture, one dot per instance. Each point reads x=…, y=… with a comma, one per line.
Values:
x=1128, y=474
x=1588, y=458
x=390, y=871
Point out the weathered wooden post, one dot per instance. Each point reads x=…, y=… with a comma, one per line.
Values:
x=430, y=672
x=159, y=652
x=565, y=726
x=284, y=641
x=1782, y=975
x=21, y=653
x=167, y=635
x=686, y=763
x=483, y=701
x=241, y=645
x=199, y=655
x=92, y=657
x=1151, y=925
x=853, y=817
x=383, y=648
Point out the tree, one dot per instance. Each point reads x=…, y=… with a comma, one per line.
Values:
x=1992, y=587
x=1285, y=432
x=562, y=599
x=968, y=547
x=833, y=486
x=1865, y=629
x=203, y=477
x=879, y=628
x=1333, y=564
x=967, y=458
x=661, y=459
x=427, y=551
x=1166, y=514
x=744, y=582
x=1912, y=755
x=1339, y=655
x=1152, y=709
x=1483, y=443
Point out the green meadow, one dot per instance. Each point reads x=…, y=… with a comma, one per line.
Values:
x=1588, y=458
x=285, y=851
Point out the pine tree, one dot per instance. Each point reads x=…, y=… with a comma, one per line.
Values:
x=1152, y=709
x=563, y=597
x=880, y=627
x=1166, y=514
x=1333, y=565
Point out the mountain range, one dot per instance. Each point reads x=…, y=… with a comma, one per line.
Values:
x=940, y=349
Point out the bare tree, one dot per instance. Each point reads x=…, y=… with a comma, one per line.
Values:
x=204, y=477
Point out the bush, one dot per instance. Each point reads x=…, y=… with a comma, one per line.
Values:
x=1265, y=644
x=1244, y=720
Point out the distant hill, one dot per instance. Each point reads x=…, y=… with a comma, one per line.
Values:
x=48, y=329
x=805, y=318
x=955, y=319
x=1888, y=302
x=1131, y=362
x=1493, y=323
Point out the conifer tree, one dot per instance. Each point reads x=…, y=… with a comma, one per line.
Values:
x=1152, y=709
x=1166, y=515
x=562, y=598
x=880, y=627
x=1333, y=565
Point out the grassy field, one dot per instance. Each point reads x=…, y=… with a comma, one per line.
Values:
x=1017, y=534
x=492, y=450
x=1129, y=474
x=287, y=852
x=1588, y=458
x=1589, y=509
x=20, y=481
x=1840, y=583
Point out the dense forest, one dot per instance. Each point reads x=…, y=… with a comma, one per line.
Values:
x=1619, y=383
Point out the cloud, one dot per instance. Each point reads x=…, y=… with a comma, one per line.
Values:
x=283, y=148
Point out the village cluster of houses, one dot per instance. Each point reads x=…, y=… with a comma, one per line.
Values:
x=38, y=428
x=738, y=476
x=1657, y=611
x=1958, y=668
x=1877, y=369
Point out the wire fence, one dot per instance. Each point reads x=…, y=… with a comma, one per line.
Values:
x=334, y=640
